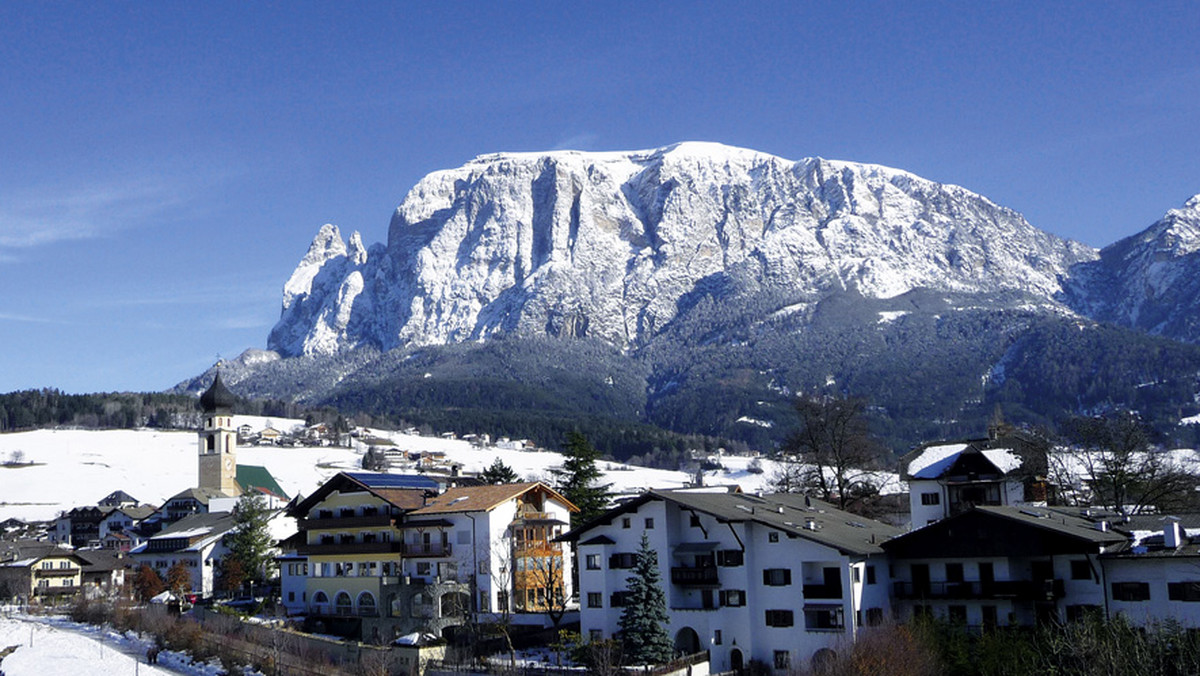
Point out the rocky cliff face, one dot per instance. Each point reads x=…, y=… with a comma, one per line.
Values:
x=617, y=245
x=1149, y=281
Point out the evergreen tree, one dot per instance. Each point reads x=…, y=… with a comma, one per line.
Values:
x=250, y=541
x=577, y=478
x=499, y=473
x=644, y=619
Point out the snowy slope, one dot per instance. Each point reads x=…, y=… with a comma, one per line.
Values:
x=79, y=467
x=610, y=244
x=1149, y=281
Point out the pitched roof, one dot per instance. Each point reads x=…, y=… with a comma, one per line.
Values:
x=117, y=497
x=136, y=513
x=938, y=459
x=201, y=495
x=102, y=559
x=196, y=530
x=1005, y=531
x=485, y=498
x=11, y=550
x=405, y=492
x=256, y=478
x=791, y=513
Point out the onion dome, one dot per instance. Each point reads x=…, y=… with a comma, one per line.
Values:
x=217, y=397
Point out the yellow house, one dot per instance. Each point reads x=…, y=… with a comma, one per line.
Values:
x=41, y=571
x=351, y=538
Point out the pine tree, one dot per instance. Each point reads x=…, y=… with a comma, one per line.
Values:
x=577, y=478
x=644, y=619
x=499, y=473
x=250, y=541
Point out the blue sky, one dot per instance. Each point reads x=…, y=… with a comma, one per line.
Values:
x=165, y=165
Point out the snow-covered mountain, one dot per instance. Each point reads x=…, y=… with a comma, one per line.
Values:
x=704, y=285
x=1149, y=281
x=617, y=245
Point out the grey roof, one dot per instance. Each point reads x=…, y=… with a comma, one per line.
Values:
x=789, y=513
x=1057, y=520
x=117, y=497
x=212, y=521
x=201, y=495
x=102, y=559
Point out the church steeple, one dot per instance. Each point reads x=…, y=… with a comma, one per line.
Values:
x=218, y=440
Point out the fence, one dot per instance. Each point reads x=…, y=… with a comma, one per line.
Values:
x=692, y=665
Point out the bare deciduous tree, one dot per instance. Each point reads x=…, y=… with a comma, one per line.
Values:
x=833, y=453
x=1114, y=458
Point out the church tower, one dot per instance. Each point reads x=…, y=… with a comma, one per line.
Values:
x=218, y=440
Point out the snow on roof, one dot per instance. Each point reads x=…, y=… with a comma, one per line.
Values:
x=191, y=533
x=934, y=460
x=1005, y=459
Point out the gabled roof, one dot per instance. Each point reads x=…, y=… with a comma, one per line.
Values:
x=102, y=560
x=941, y=459
x=11, y=550
x=118, y=498
x=195, y=530
x=790, y=513
x=255, y=478
x=201, y=495
x=197, y=524
x=405, y=492
x=485, y=498
x=1005, y=531
x=137, y=513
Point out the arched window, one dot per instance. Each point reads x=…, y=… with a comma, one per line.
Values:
x=320, y=602
x=342, y=604
x=366, y=604
x=422, y=605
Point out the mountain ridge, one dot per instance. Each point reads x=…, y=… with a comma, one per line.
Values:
x=570, y=243
x=702, y=286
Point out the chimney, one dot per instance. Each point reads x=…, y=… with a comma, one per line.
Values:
x=1102, y=526
x=1172, y=537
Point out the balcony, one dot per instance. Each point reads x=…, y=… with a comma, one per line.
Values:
x=426, y=549
x=57, y=572
x=694, y=577
x=56, y=591
x=337, y=549
x=346, y=522
x=1017, y=590
x=822, y=591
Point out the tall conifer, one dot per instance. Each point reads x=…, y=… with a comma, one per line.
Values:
x=644, y=619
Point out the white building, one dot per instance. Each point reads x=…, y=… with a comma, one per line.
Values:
x=196, y=540
x=775, y=578
x=947, y=478
x=1154, y=576
x=384, y=555
x=503, y=538
x=1003, y=566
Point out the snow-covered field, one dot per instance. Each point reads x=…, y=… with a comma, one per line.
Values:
x=79, y=467
x=57, y=647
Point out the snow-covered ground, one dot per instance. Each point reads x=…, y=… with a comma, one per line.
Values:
x=58, y=647
x=73, y=468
